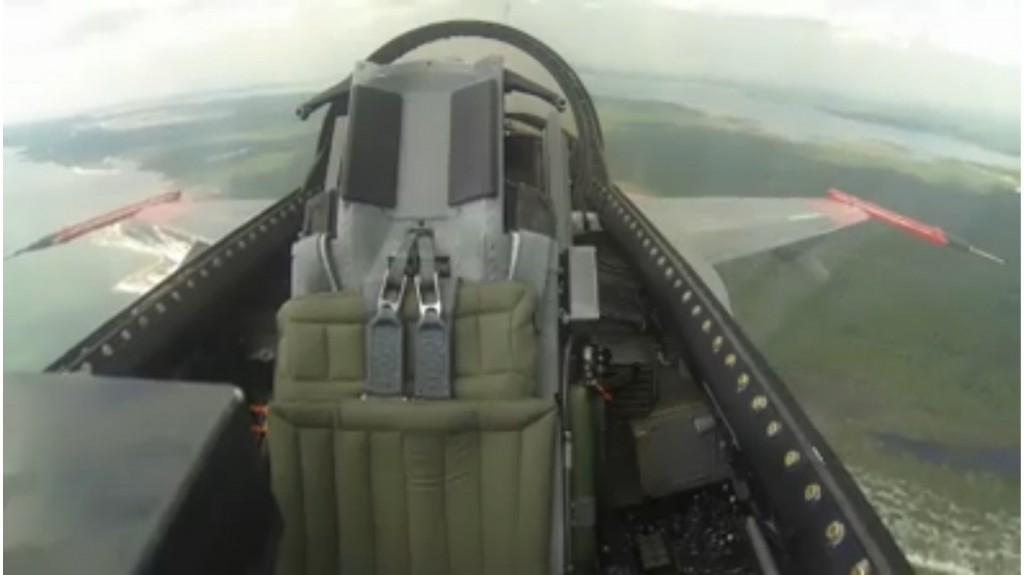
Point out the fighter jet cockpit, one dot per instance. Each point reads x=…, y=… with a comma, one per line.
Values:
x=511, y=288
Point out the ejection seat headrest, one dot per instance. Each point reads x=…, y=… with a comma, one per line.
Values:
x=420, y=147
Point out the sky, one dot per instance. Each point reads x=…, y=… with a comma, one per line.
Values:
x=64, y=56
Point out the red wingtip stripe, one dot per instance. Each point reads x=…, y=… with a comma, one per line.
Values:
x=112, y=217
x=930, y=234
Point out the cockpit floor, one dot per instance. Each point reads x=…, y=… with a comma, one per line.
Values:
x=694, y=533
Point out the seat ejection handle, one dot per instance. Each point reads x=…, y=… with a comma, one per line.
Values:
x=432, y=341
x=385, y=331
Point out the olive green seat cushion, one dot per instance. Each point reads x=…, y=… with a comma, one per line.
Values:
x=322, y=349
x=382, y=486
x=392, y=487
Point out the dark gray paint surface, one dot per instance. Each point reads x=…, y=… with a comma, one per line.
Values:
x=95, y=468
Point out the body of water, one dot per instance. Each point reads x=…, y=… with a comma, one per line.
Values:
x=795, y=121
x=55, y=297
x=1004, y=462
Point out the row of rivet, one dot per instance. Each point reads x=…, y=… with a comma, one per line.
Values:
x=108, y=350
x=835, y=531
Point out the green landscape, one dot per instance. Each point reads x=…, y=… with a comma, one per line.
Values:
x=251, y=147
x=907, y=356
x=932, y=322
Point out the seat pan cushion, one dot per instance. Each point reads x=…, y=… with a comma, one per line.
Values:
x=391, y=486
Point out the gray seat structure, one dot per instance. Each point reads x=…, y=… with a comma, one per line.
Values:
x=422, y=145
x=470, y=481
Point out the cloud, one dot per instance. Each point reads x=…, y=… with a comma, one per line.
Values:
x=851, y=48
x=102, y=22
x=62, y=56
x=66, y=55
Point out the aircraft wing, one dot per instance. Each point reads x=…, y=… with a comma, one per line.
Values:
x=724, y=229
x=168, y=227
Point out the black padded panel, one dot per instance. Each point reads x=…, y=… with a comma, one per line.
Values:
x=371, y=156
x=524, y=159
x=527, y=204
x=473, y=163
x=118, y=475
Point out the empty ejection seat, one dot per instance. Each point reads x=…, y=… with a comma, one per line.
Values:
x=414, y=427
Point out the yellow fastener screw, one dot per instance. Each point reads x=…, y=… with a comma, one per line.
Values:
x=812, y=492
x=834, y=533
x=792, y=458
